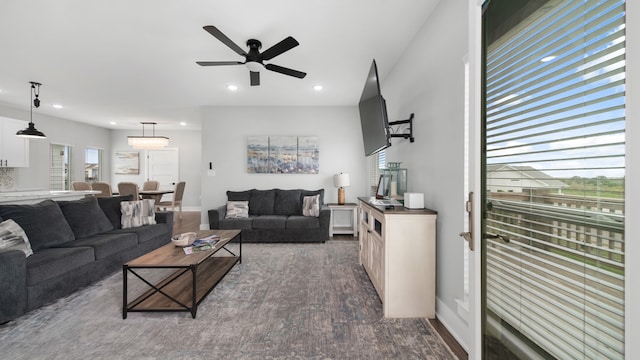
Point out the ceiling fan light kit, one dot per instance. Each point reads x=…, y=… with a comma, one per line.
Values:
x=254, y=59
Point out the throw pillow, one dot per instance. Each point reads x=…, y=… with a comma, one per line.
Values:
x=237, y=210
x=43, y=223
x=314, y=192
x=12, y=237
x=111, y=208
x=85, y=217
x=311, y=206
x=137, y=213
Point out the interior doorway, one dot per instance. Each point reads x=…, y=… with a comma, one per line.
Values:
x=163, y=166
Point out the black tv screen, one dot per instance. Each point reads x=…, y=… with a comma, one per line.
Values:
x=373, y=115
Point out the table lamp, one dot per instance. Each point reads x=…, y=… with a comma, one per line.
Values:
x=341, y=181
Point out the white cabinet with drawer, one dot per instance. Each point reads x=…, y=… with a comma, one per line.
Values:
x=398, y=251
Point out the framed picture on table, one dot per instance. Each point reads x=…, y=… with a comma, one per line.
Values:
x=383, y=186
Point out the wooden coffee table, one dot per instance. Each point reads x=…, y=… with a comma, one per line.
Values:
x=195, y=276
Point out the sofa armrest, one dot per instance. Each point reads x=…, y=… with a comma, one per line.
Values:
x=165, y=217
x=13, y=284
x=325, y=219
x=215, y=215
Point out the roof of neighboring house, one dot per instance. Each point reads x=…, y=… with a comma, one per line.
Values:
x=529, y=172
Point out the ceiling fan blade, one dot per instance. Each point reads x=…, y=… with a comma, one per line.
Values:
x=286, y=71
x=255, y=78
x=277, y=49
x=224, y=39
x=218, y=63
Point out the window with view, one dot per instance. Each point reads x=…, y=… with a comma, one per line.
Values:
x=554, y=179
x=93, y=165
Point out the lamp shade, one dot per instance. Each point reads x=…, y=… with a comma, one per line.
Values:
x=31, y=132
x=148, y=142
x=341, y=180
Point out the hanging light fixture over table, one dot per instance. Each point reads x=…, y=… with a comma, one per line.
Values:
x=31, y=131
x=148, y=142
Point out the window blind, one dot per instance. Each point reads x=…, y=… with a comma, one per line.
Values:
x=554, y=175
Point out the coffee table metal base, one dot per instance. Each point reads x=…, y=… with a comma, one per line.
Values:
x=183, y=289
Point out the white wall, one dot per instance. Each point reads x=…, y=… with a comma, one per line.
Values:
x=58, y=131
x=429, y=81
x=224, y=142
x=189, y=151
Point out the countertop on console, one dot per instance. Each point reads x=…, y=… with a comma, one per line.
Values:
x=31, y=197
x=398, y=208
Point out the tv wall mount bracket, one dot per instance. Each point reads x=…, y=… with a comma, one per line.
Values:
x=404, y=135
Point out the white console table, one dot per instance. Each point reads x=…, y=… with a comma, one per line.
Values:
x=398, y=252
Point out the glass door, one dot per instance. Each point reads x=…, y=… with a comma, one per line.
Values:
x=553, y=249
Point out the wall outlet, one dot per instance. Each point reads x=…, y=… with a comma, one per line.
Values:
x=211, y=173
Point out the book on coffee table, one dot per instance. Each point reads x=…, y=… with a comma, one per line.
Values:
x=204, y=244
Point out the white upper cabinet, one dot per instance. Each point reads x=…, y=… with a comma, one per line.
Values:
x=14, y=150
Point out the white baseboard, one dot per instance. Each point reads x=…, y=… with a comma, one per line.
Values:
x=454, y=323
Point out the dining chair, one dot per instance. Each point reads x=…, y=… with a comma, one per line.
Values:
x=177, y=200
x=103, y=187
x=150, y=185
x=128, y=188
x=80, y=185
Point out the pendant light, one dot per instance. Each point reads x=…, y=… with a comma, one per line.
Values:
x=31, y=131
x=148, y=142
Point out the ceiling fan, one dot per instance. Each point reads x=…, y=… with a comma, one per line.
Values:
x=254, y=58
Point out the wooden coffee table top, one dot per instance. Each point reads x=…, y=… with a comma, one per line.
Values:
x=170, y=255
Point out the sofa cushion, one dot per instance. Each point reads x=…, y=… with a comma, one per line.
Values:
x=12, y=237
x=111, y=208
x=262, y=202
x=312, y=193
x=287, y=202
x=145, y=233
x=270, y=222
x=240, y=224
x=239, y=195
x=52, y=262
x=303, y=222
x=85, y=217
x=43, y=223
x=105, y=245
x=237, y=210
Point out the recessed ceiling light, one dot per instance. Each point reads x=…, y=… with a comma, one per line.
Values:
x=548, y=58
x=183, y=123
x=57, y=106
x=317, y=87
x=113, y=123
x=232, y=87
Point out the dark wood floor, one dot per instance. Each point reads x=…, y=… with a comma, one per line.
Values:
x=191, y=222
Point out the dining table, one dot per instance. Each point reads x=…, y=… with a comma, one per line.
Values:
x=154, y=194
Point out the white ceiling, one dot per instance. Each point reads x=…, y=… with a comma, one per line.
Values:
x=134, y=60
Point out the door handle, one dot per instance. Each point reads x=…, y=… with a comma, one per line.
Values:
x=468, y=235
x=496, y=236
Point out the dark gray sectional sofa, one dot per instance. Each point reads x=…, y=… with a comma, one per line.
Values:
x=74, y=243
x=275, y=215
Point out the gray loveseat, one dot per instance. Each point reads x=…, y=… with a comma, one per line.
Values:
x=74, y=243
x=275, y=216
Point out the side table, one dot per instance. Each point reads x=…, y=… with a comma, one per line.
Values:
x=344, y=229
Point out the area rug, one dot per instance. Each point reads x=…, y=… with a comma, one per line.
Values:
x=285, y=301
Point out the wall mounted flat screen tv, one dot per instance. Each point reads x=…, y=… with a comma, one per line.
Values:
x=373, y=115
